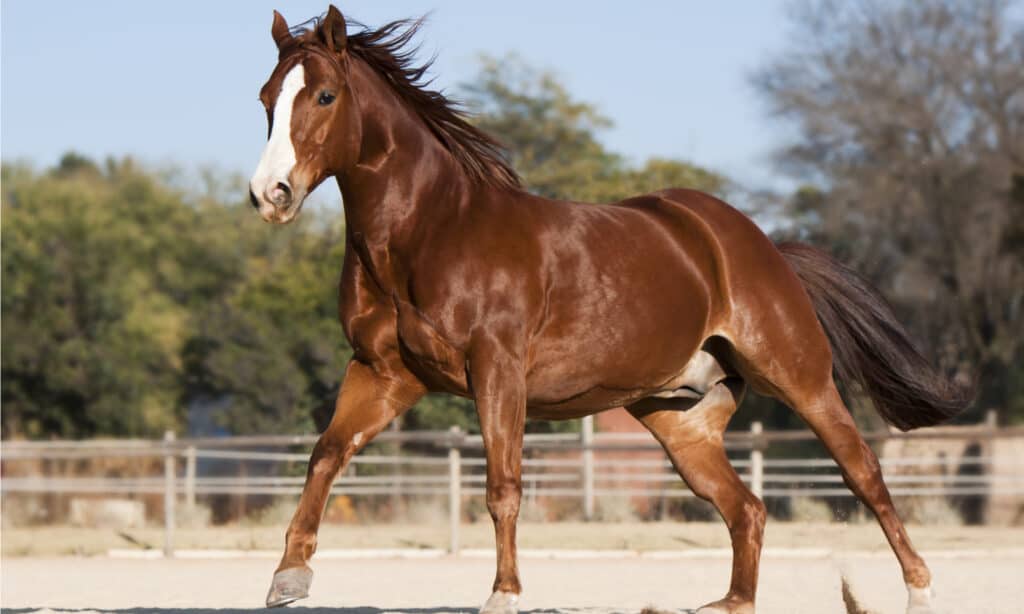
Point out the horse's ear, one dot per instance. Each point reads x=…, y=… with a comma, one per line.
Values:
x=332, y=30
x=280, y=31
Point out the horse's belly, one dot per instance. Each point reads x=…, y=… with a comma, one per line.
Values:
x=697, y=375
x=594, y=370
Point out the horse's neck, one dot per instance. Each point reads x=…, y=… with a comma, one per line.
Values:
x=410, y=191
x=404, y=178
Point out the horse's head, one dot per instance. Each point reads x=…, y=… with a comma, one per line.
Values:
x=310, y=113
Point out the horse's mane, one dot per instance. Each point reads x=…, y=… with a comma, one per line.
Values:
x=387, y=50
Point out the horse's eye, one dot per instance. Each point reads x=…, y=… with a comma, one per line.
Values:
x=325, y=99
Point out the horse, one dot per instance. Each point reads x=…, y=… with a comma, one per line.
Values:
x=457, y=279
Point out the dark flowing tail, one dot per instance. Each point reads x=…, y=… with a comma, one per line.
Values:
x=871, y=348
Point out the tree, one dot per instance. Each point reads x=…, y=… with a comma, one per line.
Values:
x=552, y=139
x=910, y=119
x=270, y=345
x=94, y=310
x=130, y=307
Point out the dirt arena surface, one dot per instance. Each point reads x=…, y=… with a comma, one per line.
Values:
x=790, y=584
x=641, y=536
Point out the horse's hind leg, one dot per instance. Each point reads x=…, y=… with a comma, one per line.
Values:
x=828, y=417
x=785, y=353
x=367, y=402
x=805, y=384
x=692, y=437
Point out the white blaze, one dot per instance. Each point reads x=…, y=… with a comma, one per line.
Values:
x=278, y=157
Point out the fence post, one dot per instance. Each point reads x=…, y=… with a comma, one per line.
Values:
x=756, y=459
x=454, y=488
x=992, y=419
x=989, y=468
x=170, y=492
x=587, y=439
x=396, y=470
x=190, y=480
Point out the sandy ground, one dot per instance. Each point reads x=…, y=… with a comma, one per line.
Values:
x=642, y=536
x=789, y=584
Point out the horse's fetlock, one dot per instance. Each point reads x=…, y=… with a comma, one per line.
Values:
x=303, y=544
x=918, y=576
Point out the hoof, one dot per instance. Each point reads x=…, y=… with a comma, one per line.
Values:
x=727, y=606
x=919, y=600
x=289, y=585
x=501, y=602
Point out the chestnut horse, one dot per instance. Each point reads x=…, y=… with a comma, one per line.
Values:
x=458, y=279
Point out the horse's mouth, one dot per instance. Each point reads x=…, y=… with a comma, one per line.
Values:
x=281, y=215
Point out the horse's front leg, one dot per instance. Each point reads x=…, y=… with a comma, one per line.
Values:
x=367, y=401
x=499, y=387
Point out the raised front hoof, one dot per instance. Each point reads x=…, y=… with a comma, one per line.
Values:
x=729, y=605
x=501, y=602
x=289, y=585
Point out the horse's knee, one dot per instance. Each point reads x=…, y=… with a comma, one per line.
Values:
x=326, y=456
x=334, y=447
x=503, y=498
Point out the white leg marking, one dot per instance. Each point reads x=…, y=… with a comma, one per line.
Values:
x=278, y=157
x=501, y=602
x=919, y=600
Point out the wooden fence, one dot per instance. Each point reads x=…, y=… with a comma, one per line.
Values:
x=586, y=466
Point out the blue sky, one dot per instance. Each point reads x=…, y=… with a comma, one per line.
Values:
x=177, y=83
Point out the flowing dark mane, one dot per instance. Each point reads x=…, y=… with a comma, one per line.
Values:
x=387, y=50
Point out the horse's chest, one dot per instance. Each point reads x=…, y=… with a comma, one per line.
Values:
x=383, y=326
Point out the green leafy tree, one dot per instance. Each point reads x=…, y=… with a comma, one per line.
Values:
x=271, y=343
x=128, y=306
x=94, y=309
x=553, y=139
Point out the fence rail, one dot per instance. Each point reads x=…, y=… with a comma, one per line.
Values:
x=450, y=464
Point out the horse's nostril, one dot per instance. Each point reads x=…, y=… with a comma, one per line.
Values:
x=252, y=198
x=278, y=194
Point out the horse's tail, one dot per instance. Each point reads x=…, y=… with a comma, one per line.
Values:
x=871, y=348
